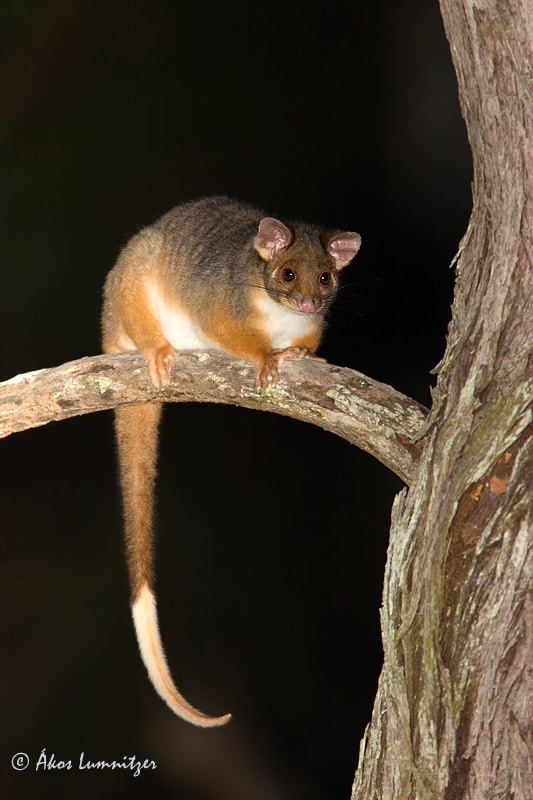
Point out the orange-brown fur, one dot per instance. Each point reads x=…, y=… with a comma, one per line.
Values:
x=211, y=273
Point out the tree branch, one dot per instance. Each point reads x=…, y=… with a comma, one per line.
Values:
x=366, y=413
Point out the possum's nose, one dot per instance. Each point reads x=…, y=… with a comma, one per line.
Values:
x=306, y=306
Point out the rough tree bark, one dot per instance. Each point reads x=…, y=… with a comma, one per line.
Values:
x=453, y=717
x=369, y=414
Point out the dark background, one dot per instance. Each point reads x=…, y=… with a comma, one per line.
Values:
x=271, y=535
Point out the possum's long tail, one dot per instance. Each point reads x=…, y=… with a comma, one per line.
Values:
x=146, y=627
x=137, y=434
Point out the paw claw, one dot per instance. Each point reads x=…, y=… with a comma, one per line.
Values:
x=268, y=372
x=160, y=362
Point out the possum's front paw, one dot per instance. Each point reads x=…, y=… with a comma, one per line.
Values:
x=160, y=362
x=268, y=372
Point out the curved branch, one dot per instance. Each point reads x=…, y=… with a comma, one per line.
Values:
x=366, y=413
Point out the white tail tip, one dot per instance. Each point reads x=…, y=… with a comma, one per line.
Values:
x=147, y=629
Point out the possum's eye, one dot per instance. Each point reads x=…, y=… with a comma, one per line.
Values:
x=325, y=278
x=288, y=274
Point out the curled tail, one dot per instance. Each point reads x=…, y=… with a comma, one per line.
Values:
x=137, y=434
x=147, y=630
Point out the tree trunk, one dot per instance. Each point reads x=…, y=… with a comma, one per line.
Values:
x=453, y=713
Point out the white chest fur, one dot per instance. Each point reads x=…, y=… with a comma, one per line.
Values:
x=282, y=325
x=177, y=326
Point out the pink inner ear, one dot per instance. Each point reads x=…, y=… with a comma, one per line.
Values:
x=344, y=247
x=272, y=236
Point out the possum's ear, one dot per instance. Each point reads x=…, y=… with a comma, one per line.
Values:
x=343, y=247
x=272, y=236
